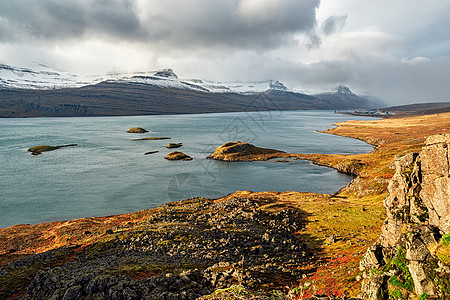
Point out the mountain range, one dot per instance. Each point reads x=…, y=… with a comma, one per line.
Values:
x=44, y=92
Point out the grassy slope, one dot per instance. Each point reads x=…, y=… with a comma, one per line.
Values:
x=356, y=212
x=354, y=215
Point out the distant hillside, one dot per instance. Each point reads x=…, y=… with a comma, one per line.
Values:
x=47, y=93
x=420, y=108
x=345, y=99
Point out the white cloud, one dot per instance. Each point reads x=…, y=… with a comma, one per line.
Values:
x=381, y=46
x=415, y=61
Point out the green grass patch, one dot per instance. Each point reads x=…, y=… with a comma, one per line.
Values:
x=445, y=239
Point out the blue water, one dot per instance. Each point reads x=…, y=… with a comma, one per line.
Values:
x=108, y=173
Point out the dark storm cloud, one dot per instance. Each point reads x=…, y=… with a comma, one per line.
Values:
x=334, y=24
x=235, y=23
x=240, y=24
x=50, y=20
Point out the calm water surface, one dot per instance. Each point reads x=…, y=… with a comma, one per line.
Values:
x=108, y=173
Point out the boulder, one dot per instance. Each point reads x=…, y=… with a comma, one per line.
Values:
x=137, y=130
x=176, y=155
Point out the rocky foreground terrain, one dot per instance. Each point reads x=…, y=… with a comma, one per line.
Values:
x=182, y=250
x=411, y=256
x=263, y=245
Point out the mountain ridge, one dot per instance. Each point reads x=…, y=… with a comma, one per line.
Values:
x=47, y=93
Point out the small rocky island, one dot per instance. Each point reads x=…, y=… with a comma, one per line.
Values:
x=174, y=145
x=36, y=150
x=239, y=151
x=137, y=130
x=153, y=138
x=177, y=155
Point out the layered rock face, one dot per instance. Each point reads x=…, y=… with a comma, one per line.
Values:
x=403, y=263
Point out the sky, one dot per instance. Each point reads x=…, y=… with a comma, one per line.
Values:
x=398, y=51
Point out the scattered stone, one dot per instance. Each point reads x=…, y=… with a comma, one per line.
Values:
x=332, y=239
x=176, y=155
x=179, y=253
x=137, y=130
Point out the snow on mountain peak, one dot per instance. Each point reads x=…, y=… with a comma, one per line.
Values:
x=342, y=89
x=277, y=86
x=40, y=77
x=43, y=77
x=166, y=73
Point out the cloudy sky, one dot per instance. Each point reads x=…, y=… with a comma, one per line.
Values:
x=396, y=50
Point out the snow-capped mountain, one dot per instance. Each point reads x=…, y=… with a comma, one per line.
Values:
x=166, y=78
x=39, y=77
x=45, y=78
x=43, y=92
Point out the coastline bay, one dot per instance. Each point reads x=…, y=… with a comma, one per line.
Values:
x=108, y=173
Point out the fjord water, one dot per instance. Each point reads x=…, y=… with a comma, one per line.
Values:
x=108, y=173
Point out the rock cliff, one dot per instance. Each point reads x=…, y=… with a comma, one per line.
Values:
x=410, y=260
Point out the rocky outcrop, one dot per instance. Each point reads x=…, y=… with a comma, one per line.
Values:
x=177, y=155
x=137, y=130
x=184, y=250
x=402, y=264
x=239, y=151
x=351, y=167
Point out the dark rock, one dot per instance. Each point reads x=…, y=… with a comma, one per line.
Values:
x=150, y=152
x=72, y=293
x=152, y=138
